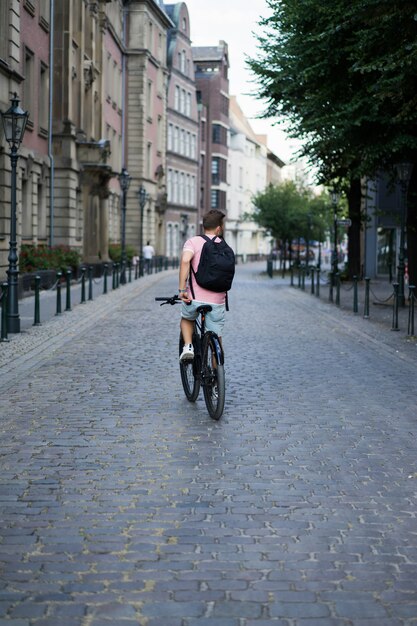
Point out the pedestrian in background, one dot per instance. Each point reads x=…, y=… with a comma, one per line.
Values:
x=148, y=253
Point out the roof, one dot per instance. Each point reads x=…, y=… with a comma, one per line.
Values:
x=210, y=53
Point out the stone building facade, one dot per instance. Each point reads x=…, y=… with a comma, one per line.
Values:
x=181, y=218
x=146, y=104
x=24, y=70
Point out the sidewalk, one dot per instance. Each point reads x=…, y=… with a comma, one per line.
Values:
x=381, y=304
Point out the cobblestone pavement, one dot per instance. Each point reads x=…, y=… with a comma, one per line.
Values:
x=123, y=504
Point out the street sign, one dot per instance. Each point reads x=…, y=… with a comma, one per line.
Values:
x=344, y=222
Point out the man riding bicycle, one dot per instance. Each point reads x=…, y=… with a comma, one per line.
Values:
x=193, y=295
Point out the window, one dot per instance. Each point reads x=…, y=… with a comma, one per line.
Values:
x=43, y=98
x=214, y=198
x=41, y=212
x=224, y=104
x=4, y=30
x=215, y=171
x=176, y=139
x=28, y=84
x=188, y=105
x=149, y=159
x=182, y=101
x=27, y=232
x=219, y=134
x=177, y=98
x=160, y=137
x=183, y=61
x=44, y=12
x=218, y=199
x=182, y=142
x=170, y=185
x=149, y=99
x=170, y=136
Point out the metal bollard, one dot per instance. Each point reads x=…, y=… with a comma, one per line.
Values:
x=129, y=265
x=105, y=278
x=3, y=334
x=292, y=276
x=117, y=275
x=113, y=276
x=141, y=267
x=136, y=270
x=312, y=281
x=37, y=316
x=318, y=283
x=395, y=307
x=303, y=278
x=68, y=274
x=355, y=294
x=58, y=293
x=90, y=282
x=411, y=298
x=82, y=285
x=269, y=268
x=366, y=307
x=337, y=289
x=331, y=287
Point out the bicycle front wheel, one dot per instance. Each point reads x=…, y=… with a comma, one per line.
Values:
x=190, y=373
x=213, y=379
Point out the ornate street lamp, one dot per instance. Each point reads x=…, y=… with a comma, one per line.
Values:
x=335, y=202
x=143, y=198
x=403, y=174
x=124, y=180
x=14, y=125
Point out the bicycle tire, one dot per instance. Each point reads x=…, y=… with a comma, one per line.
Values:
x=190, y=373
x=213, y=378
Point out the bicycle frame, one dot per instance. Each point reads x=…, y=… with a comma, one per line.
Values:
x=207, y=366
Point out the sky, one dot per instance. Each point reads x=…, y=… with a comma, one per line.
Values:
x=236, y=21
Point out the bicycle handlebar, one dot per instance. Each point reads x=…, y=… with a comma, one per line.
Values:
x=172, y=300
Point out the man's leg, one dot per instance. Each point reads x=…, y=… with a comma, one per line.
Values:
x=187, y=329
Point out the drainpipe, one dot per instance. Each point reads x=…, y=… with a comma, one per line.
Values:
x=124, y=87
x=51, y=157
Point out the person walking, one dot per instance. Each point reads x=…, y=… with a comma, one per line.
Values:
x=148, y=253
x=192, y=293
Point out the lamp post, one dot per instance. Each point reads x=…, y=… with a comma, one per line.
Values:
x=14, y=125
x=124, y=180
x=403, y=174
x=143, y=197
x=335, y=201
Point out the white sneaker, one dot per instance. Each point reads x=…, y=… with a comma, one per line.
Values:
x=187, y=352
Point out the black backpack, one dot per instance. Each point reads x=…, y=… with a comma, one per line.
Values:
x=216, y=267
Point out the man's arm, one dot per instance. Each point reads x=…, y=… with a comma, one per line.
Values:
x=186, y=257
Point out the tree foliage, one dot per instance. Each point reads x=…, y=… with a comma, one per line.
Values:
x=342, y=74
x=290, y=212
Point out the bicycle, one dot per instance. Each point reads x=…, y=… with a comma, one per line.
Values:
x=206, y=369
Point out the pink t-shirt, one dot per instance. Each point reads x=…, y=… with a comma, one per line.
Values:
x=195, y=245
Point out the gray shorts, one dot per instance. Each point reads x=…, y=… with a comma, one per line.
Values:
x=214, y=318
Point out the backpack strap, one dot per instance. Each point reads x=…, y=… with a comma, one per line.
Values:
x=192, y=272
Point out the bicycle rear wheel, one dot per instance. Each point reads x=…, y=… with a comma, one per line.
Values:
x=213, y=378
x=190, y=372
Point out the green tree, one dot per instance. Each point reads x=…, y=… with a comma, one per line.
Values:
x=345, y=81
x=290, y=212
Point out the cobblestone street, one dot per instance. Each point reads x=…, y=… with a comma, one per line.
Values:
x=123, y=504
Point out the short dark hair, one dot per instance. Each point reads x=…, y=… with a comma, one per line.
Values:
x=212, y=219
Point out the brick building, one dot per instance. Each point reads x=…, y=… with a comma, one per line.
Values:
x=211, y=74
